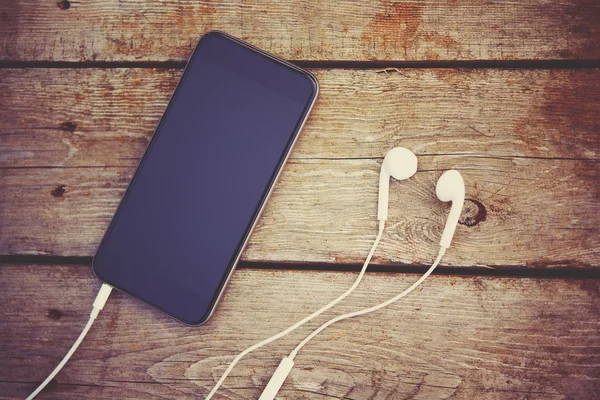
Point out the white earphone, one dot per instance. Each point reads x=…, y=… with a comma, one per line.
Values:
x=451, y=187
x=399, y=163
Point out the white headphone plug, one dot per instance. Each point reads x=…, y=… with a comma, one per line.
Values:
x=279, y=376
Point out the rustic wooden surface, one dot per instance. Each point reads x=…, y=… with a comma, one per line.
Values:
x=456, y=337
x=526, y=142
x=97, y=117
x=320, y=30
x=82, y=85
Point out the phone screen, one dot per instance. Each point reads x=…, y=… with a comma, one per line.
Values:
x=206, y=173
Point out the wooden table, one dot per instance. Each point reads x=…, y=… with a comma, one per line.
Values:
x=507, y=93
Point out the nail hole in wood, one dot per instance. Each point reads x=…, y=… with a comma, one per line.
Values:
x=54, y=314
x=68, y=126
x=59, y=191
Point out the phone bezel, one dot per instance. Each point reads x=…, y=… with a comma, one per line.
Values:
x=285, y=155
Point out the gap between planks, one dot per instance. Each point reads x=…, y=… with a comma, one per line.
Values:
x=509, y=271
x=330, y=64
x=296, y=159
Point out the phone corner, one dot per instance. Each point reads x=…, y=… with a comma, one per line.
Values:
x=213, y=33
x=96, y=271
x=195, y=323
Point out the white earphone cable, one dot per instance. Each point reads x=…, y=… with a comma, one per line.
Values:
x=287, y=363
x=370, y=309
x=303, y=321
x=97, y=307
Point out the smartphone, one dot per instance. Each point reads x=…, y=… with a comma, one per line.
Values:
x=203, y=181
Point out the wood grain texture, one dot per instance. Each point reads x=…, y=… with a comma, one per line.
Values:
x=134, y=30
x=100, y=117
x=527, y=146
x=517, y=215
x=456, y=337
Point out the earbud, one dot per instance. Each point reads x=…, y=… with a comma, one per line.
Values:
x=451, y=187
x=399, y=163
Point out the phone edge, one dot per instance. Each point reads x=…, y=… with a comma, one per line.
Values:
x=209, y=314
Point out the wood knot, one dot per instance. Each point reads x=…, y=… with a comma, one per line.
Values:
x=64, y=4
x=68, y=126
x=473, y=213
x=59, y=191
x=54, y=314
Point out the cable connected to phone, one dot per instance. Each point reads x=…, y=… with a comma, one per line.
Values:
x=303, y=321
x=98, y=305
x=287, y=363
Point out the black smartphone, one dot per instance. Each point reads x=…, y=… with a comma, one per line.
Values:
x=205, y=177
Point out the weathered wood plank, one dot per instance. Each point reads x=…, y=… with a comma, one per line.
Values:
x=99, y=117
x=459, y=337
x=530, y=213
x=301, y=30
x=527, y=142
